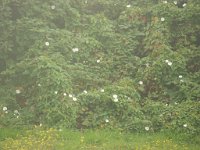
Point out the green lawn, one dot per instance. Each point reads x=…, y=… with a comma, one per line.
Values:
x=91, y=140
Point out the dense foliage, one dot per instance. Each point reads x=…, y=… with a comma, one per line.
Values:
x=131, y=65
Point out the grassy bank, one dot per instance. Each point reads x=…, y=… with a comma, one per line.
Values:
x=52, y=139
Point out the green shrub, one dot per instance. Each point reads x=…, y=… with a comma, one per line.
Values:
x=182, y=118
x=115, y=106
x=135, y=50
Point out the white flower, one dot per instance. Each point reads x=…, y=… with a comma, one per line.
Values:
x=146, y=128
x=6, y=111
x=86, y=2
x=184, y=4
x=140, y=82
x=106, y=120
x=85, y=91
x=40, y=124
x=166, y=61
x=53, y=7
x=16, y=111
x=165, y=2
x=70, y=95
x=166, y=104
x=115, y=96
x=65, y=94
x=56, y=92
x=39, y=84
x=74, y=99
x=185, y=125
x=128, y=6
x=162, y=19
x=147, y=64
x=115, y=100
x=175, y=2
x=98, y=61
x=47, y=43
x=18, y=91
x=5, y=108
x=17, y=116
x=102, y=90
x=180, y=76
x=181, y=80
x=75, y=50
x=169, y=63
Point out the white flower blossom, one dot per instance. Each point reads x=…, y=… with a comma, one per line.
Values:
x=166, y=61
x=175, y=2
x=56, y=92
x=106, y=120
x=5, y=108
x=17, y=116
x=180, y=76
x=64, y=94
x=175, y=103
x=98, y=61
x=47, y=43
x=6, y=111
x=102, y=90
x=140, y=82
x=165, y=2
x=128, y=6
x=146, y=128
x=16, y=111
x=147, y=64
x=75, y=50
x=115, y=96
x=185, y=125
x=39, y=84
x=162, y=19
x=70, y=95
x=169, y=63
x=18, y=91
x=184, y=4
x=115, y=100
x=181, y=80
x=53, y=7
x=40, y=124
x=74, y=99
x=85, y=91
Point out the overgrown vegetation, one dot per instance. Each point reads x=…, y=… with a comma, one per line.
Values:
x=128, y=65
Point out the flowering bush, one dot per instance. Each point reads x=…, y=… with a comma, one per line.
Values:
x=90, y=64
x=179, y=117
x=116, y=106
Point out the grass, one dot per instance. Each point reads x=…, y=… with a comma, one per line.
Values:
x=95, y=140
x=9, y=133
